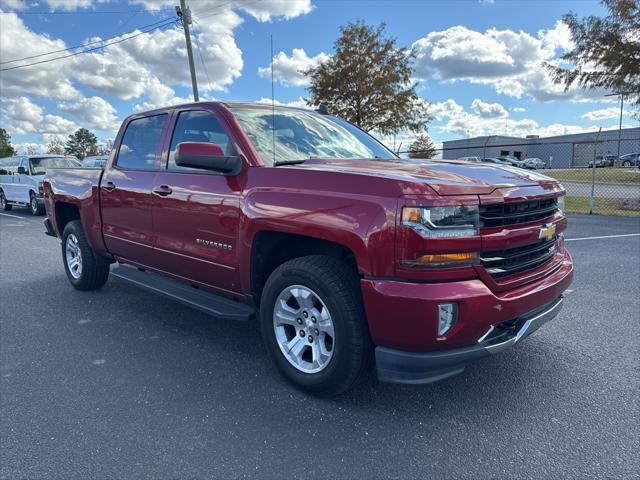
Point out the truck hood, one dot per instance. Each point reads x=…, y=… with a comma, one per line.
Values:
x=446, y=177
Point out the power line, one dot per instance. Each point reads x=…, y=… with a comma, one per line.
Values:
x=85, y=12
x=204, y=66
x=85, y=44
x=89, y=49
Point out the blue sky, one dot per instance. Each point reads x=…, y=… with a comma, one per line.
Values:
x=478, y=61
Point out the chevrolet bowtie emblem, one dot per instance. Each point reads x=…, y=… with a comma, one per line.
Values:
x=547, y=232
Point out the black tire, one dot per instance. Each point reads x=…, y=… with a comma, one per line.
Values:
x=626, y=163
x=94, y=270
x=33, y=205
x=337, y=286
x=3, y=202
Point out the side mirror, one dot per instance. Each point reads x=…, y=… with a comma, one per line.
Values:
x=207, y=156
x=22, y=171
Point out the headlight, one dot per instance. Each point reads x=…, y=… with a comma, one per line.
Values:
x=561, y=203
x=442, y=222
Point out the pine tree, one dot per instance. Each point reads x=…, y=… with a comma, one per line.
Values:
x=6, y=149
x=81, y=144
x=422, y=147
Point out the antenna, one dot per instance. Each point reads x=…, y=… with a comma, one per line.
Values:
x=273, y=107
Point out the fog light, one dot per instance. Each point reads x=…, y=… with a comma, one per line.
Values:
x=447, y=316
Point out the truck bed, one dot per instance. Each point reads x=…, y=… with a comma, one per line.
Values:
x=67, y=189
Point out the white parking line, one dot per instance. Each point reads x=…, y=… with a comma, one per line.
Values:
x=604, y=236
x=13, y=216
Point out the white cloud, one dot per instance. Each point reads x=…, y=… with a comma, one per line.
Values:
x=69, y=5
x=510, y=61
x=300, y=103
x=22, y=116
x=288, y=69
x=13, y=5
x=488, y=110
x=93, y=112
x=266, y=10
x=518, y=109
x=48, y=79
x=603, y=114
x=463, y=123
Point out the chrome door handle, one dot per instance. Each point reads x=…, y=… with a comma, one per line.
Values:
x=163, y=190
x=108, y=186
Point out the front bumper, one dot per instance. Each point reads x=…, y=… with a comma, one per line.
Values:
x=399, y=366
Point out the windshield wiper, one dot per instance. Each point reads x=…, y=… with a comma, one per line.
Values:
x=287, y=162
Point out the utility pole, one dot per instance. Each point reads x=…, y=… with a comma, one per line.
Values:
x=622, y=94
x=184, y=14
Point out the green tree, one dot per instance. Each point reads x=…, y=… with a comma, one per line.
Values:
x=6, y=149
x=105, y=147
x=81, y=144
x=606, y=52
x=56, y=146
x=422, y=147
x=368, y=82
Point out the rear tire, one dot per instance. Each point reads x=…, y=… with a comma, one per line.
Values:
x=36, y=209
x=335, y=350
x=85, y=269
x=626, y=163
x=3, y=202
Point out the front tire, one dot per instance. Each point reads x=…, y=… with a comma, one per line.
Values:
x=36, y=209
x=3, y=202
x=84, y=268
x=314, y=326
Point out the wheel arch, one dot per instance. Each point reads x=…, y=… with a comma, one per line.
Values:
x=271, y=249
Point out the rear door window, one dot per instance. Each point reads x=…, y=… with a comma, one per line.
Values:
x=141, y=143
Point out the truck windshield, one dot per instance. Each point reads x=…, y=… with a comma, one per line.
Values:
x=39, y=166
x=300, y=135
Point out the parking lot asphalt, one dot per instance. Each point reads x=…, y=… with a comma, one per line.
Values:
x=121, y=383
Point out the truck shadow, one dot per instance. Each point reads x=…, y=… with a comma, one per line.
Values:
x=187, y=356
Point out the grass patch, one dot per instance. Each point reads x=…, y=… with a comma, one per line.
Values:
x=629, y=175
x=603, y=206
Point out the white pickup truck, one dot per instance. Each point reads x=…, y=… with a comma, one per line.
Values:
x=21, y=179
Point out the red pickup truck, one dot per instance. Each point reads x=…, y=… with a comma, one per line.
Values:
x=346, y=255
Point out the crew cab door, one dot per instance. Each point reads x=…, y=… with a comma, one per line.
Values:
x=125, y=190
x=196, y=212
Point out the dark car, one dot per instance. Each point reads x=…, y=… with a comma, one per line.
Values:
x=630, y=160
x=495, y=160
x=516, y=162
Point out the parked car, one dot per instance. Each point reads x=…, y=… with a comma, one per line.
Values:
x=495, y=160
x=630, y=160
x=534, y=163
x=516, y=162
x=304, y=226
x=470, y=159
x=21, y=179
x=98, y=161
x=604, y=161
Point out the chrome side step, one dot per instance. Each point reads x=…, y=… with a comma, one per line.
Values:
x=202, y=300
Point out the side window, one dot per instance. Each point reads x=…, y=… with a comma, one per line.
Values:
x=198, y=126
x=140, y=143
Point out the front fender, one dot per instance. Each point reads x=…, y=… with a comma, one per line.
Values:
x=362, y=223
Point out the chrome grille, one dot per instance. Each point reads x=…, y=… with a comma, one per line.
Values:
x=503, y=214
x=503, y=263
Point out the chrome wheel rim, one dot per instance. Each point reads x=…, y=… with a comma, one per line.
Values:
x=34, y=204
x=304, y=329
x=73, y=256
x=2, y=200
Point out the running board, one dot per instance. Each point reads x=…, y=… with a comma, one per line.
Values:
x=202, y=300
